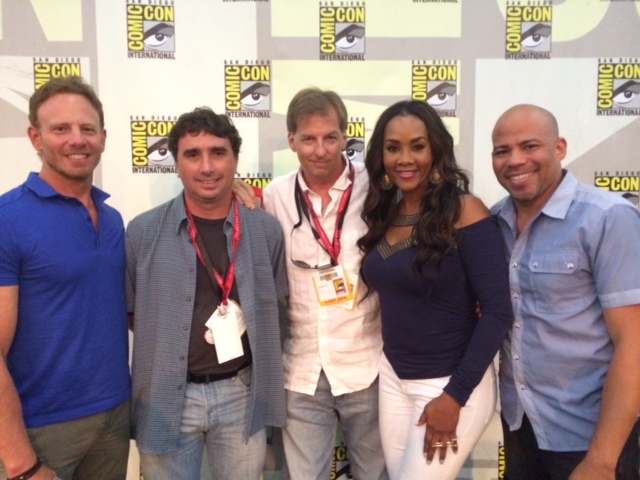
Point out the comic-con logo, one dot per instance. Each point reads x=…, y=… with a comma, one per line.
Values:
x=247, y=88
x=342, y=31
x=259, y=180
x=151, y=30
x=627, y=184
x=619, y=87
x=44, y=69
x=340, y=466
x=436, y=82
x=150, y=145
x=528, y=34
x=355, y=140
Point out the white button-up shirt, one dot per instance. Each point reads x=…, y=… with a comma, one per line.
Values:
x=346, y=344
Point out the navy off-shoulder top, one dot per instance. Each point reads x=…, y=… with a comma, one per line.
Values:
x=429, y=323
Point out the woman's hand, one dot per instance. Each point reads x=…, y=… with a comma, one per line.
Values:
x=441, y=418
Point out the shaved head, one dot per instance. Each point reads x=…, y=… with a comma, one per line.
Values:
x=527, y=109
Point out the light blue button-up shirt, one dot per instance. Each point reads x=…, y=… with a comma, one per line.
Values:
x=578, y=257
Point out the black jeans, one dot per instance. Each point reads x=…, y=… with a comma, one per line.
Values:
x=525, y=461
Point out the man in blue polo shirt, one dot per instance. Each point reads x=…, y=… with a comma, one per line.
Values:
x=570, y=368
x=64, y=380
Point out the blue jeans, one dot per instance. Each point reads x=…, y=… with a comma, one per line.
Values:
x=310, y=434
x=525, y=461
x=215, y=415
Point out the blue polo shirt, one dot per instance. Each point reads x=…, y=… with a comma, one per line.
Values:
x=578, y=257
x=69, y=356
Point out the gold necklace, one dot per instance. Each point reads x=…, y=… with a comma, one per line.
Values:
x=405, y=220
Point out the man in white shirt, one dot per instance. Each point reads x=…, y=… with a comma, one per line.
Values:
x=333, y=342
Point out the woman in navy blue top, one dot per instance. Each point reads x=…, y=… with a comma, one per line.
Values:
x=432, y=254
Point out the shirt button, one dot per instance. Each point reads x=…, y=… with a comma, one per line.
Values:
x=190, y=270
x=179, y=387
x=181, y=357
x=570, y=265
x=516, y=357
x=514, y=264
x=185, y=328
x=517, y=325
x=535, y=264
x=188, y=298
x=515, y=295
x=522, y=387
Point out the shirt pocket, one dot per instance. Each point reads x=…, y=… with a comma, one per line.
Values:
x=559, y=282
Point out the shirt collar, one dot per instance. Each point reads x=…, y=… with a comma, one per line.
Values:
x=556, y=207
x=44, y=190
x=180, y=217
x=179, y=212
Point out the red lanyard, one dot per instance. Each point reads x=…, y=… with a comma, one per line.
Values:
x=333, y=249
x=227, y=283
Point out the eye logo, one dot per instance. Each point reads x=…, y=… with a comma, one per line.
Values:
x=159, y=37
x=342, y=33
x=618, y=87
x=528, y=31
x=248, y=89
x=435, y=82
x=150, y=31
x=44, y=69
x=354, y=150
x=149, y=146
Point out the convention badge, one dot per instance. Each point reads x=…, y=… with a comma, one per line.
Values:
x=353, y=289
x=332, y=286
x=227, y=325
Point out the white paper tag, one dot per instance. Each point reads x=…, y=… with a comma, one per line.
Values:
x=225, y=328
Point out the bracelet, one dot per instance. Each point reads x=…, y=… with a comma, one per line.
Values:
x=29, y=473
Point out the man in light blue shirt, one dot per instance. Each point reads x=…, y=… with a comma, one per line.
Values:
x=570, y=368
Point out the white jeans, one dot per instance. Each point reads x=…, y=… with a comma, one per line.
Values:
x=402, y=403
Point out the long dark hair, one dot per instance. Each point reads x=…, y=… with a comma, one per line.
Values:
x=440, y=207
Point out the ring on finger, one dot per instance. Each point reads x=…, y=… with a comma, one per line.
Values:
x=438, y=445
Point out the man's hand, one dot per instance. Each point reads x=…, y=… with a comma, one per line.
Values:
x=588, y=471
x=45, y=473
x=245, y=195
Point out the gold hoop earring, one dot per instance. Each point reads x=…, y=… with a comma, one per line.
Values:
x=386, y=183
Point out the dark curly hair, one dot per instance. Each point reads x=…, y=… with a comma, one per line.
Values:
x=440, y=208
x=204, y=120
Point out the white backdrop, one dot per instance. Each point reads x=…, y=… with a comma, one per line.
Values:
x=151, y=60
